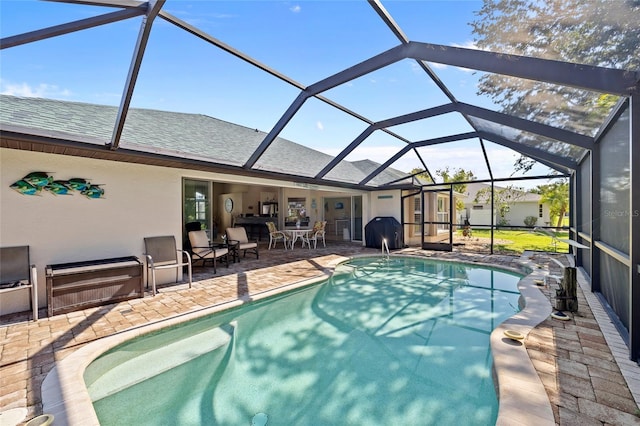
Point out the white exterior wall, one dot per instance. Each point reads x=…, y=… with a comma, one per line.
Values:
x=480, y=217
x=139, y=201
x=516, y=215
x=519, y=211
x=385, y=203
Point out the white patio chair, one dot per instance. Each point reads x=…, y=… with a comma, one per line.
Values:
x=275, y=236
x=315, y=234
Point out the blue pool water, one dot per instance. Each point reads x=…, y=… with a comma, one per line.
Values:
x=402, y=341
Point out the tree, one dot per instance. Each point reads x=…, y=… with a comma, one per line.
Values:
x=604, y=33
x=458, y=175
x=448, y=176
x=557, y=196
x=421, y=173
x=503, y=199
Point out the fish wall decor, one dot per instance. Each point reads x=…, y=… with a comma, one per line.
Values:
x=35, y=182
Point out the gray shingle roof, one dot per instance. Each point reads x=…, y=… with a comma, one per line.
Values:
x=473, y=188
x=177, y=134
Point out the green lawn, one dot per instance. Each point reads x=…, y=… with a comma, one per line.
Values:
x=517, y=241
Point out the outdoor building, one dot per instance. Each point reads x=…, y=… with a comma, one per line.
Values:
x=91, y=143
x=174, y=113
x=524, y=205
x=140, y=200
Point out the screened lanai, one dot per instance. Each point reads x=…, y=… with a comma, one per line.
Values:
x=503, y=90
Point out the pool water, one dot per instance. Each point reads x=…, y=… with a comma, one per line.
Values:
x=399, y=341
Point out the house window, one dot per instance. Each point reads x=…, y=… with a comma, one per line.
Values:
x=417, y=214
x=539, y=210
x=478, y=207
x=443, y=213
x=196, y=201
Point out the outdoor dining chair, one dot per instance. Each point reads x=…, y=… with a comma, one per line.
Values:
x=239, y=234
x=161, y=253
x=203, y=250
x=275, y=236
x=315, y=234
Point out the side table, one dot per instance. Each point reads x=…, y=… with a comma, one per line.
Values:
x=231, y=245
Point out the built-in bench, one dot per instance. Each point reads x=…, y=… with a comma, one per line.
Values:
x=78, y=285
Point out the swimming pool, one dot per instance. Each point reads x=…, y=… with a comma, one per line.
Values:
x=399, y=341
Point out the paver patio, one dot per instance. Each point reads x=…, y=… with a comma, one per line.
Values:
x=573, y=358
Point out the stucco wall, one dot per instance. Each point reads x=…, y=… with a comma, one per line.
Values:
x=139, y=201
x=386, y=203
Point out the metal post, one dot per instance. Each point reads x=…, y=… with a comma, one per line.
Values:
x=634, y=228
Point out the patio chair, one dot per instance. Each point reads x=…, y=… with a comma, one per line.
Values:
x=161, y=253
x=315, y=234
x=16, y=273
x=275, y=235
x=204, y=251
x=239, y=234
x=188, y=227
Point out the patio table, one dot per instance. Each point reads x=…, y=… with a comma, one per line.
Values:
x=298, y=233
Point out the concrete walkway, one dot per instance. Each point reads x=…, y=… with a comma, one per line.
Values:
x=573, y=358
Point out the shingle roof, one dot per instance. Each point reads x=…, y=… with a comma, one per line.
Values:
x=177, y=134
x=474, y=188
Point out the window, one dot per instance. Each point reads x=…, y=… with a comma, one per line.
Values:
x=478, y=207
x=539, y=210
x=196, y=201
x=296, y=207
x=417, y=214
x=417, y=209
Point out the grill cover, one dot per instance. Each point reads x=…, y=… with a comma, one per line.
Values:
x=383, y=227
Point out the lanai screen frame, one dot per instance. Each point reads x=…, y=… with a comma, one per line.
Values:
x=623, y=83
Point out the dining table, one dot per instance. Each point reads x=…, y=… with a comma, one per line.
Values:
x=298, y=234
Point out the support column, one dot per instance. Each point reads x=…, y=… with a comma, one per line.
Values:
x=596, y=220
x=634, y=228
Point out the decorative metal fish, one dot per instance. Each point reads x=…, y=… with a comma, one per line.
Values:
x=93, y=191
x=58, y=187
x=39, y=179
x=78, y=184
x=25, y=188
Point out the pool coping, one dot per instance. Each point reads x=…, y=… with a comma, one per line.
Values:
x=522, y=397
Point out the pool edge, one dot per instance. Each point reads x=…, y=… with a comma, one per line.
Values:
x=522, y=397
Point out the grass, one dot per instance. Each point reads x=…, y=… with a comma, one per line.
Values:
x=520, y=240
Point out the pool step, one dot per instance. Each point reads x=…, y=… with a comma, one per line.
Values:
x=118, y=374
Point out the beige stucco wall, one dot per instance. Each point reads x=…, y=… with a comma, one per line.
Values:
x=139, y=201
x=386, y=203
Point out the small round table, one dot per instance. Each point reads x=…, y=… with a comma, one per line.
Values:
x=298, y=233
x=231, y=245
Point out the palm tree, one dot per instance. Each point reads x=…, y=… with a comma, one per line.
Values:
x=557, y=196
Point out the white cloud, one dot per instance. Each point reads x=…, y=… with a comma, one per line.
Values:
x=42, y=90
x=319, y=125
x=469, y=44
x=438, y=66
x=296, y=8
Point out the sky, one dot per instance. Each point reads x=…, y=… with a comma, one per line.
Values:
x=304, y=40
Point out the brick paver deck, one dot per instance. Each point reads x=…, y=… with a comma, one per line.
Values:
x=583, y=380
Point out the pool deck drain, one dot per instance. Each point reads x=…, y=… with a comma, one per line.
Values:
x=581, y=363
